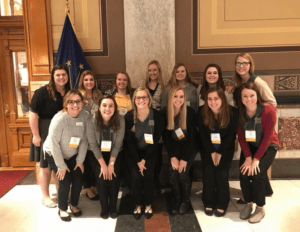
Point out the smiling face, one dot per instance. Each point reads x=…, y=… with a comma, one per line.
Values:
x=153, y=71
x=107, y=109
x=121, y=81
x=141, y=100
x=249, y=98
x=178, y=99
x=74, y=105
x=60, y=78
x=212, y=75
x=243, y=69
x=214, y=102
x=88, y=82
x=181, y=73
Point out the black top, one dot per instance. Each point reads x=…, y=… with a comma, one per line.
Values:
x=159, y=125
x=174, y=147
x=227, y=134
x=152, y=91
x=43, y=105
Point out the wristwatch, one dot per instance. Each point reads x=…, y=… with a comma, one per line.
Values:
x=112, y=163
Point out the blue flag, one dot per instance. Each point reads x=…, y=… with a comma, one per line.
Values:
x=70, y=54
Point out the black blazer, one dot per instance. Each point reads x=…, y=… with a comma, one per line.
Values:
x=227, y=134
x=159, y=125
x=181, y=149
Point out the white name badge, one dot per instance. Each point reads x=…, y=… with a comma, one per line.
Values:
x=188, y=103
x=74, y=142
x=148, y=138
x=250, y=135
x=215, y=138
x=179, y=133
x=79, y=123
x=105, y=145
x=122, y=111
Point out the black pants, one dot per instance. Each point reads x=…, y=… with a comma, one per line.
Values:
x=89, y=179
x=125, y=178
x=253, y=187
x=107, y=189
x=146, y=182
x=216, y=192
x=73, y=177
x=158, y=165
x=180, y=182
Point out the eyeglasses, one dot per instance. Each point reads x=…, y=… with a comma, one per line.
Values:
x=242, y=63
x=143, y=97
x=74, y=102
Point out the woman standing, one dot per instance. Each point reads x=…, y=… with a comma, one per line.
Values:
x=144, y=127
x=65, y=149
x=217, y=124
x=45, y=103
x=180, y=76
x=179, y=140
x=259, y=143
x=212, y=78
x=244, y=72
x=105, y=135
x=91, y=94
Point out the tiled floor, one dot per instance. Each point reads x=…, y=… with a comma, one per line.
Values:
x=21, y=210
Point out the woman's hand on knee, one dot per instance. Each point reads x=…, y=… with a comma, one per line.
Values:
x=255, y=167
x=247, y=166
x=175, y=163
x=104, y=172
x=61, y=173
x=111, y=172
x=142, y=167
x=182, y=166
x=80, y=166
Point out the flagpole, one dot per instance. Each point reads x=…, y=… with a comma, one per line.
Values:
x=68, y=13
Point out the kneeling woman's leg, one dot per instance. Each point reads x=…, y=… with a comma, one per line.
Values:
x=76, y=179
x=136, y=182
x=114, y=184
x=148, y=180
x=245, y=182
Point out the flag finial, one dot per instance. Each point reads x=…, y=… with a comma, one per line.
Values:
x=67, y=7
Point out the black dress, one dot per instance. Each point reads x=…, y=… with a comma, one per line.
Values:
x=45, y=107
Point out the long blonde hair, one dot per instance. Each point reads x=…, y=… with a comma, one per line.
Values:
x=159, y=78
x=134, y=106
x=95, y=92
x=182, y=112
x=237, y=77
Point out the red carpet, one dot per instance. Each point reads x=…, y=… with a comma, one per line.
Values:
x=9, y=179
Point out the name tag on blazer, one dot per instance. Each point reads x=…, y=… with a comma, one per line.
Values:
x=250, y=135
x=179, y=133
x=106, y=146
x=79, y=123
x=215, y=138
x=74, y=142
x=148, y=138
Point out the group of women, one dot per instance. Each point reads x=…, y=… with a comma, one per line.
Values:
x=97, y=139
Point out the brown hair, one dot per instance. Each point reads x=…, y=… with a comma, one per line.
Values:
x=159, y=78
x=95, y=91
x=237, y=77
x=67, y=97
x=134, y=106
x=173, y=81
x=114, y=121
x=129, y=88
x=220, y=81
x=51, y=87
x=223, y=117
x=182, y=112
x=242, y=107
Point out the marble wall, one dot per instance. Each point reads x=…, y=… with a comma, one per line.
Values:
x=149, y=35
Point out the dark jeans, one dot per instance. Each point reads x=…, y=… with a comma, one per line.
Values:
x=180, y=182
x=253, y=187
x=107, y=189
x=216, y=192
x=89, y=179
x=73, y=177
x=146, y=182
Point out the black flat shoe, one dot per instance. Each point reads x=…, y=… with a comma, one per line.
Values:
x=148, y=214
x=209, y=212
x=65, y=219
x=184, y=208
x=104, y=215
x=137, y=213
x=114, y=214
x=76, y=214
x=95, y=198
x=217, y=213
x=175, y=207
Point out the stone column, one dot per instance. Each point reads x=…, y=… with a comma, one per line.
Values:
x=149, y=35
